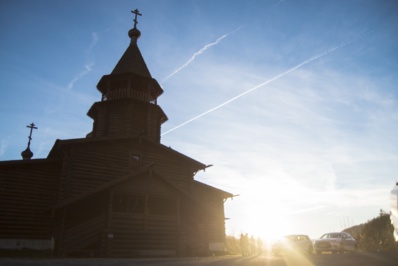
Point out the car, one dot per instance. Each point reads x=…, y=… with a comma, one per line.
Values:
x=291, y=243
x=338, y=242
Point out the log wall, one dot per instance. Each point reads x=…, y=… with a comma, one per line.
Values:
x=88, y=165
x=127, y=117
x=27, y=190
x=188, y=230
x=137, y=235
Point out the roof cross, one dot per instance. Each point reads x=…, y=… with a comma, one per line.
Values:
x=137, y=13
x=31, y=126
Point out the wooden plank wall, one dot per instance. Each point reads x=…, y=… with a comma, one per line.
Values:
x=127, y=118
x=212, y=223
x=27, y=190
x=145, y=232
x=92, y=164
x=171, y=167
x=131, y=237
x=81, y=237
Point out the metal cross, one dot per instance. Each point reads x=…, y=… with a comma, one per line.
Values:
x=31, y=126
x=137, y=13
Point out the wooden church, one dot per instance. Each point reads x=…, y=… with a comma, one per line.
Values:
x=118, y=192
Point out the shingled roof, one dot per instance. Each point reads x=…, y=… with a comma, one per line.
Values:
x=132, y=60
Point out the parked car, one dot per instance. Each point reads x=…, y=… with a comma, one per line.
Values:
x=291, y=243
x=335, y=242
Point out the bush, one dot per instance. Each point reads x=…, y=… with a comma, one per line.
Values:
x=377, y=234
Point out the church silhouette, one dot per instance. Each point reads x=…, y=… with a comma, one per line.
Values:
x=118, y=192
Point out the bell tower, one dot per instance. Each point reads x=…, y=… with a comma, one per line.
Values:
x=128, y=106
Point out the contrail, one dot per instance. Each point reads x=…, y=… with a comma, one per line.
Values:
x=268, y=81
x=203, y=49
x=87, y=69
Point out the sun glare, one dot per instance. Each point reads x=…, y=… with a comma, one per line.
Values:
x=267, y=220
x=263, y=211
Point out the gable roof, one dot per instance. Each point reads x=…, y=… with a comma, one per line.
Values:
x=101, y=188
x=55, y=150
x=135, y=174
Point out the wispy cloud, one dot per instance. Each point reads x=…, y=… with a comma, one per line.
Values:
x=88, y=67
x=94, y=40
x=3, y=146
x=202, y=50
x=307, y=152
x=266, y=82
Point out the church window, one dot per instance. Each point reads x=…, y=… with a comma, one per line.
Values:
x=137, y=204
x=129, y=203
x=120, y=202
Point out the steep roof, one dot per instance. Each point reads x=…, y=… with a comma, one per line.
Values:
x=132, y=60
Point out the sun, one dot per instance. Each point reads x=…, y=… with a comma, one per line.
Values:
x=268, y=221
x=261, y=211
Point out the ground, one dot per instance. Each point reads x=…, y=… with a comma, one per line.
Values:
x=347, y=259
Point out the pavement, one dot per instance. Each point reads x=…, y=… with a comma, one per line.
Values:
x=347, y=259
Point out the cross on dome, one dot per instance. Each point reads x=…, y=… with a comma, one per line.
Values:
x=137, y=13
x=31, y=126
x=27, y=154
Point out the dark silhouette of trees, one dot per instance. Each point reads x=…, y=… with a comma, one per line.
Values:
x=375, y=235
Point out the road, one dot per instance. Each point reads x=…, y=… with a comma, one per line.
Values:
x=347, y=259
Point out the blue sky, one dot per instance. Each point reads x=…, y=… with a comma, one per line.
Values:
x=295, y=103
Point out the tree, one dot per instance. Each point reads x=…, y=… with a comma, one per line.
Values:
x=377, y=234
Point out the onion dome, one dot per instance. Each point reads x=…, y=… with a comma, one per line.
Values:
x=27, y=154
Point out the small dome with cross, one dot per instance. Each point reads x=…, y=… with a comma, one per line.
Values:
x=134, y=33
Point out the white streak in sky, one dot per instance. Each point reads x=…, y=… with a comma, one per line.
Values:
x=268, y=81
x=87, y=69
x=94, y=40
x=202, y=50
x=3, y=146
